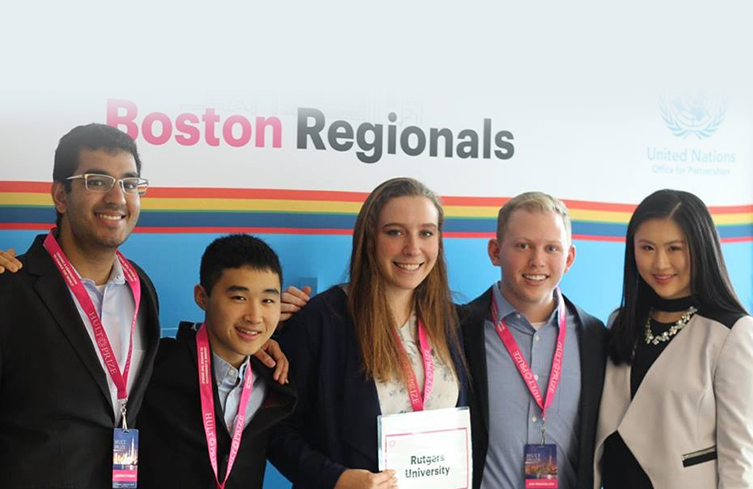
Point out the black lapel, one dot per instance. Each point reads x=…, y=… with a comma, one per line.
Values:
x=54, y=293
x=266, y=416
x=591, y=342
x=151, y=326
x=360, y=404
x=472, y=320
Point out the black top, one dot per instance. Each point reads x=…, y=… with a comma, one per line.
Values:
x=646, y=355
x=619, y=467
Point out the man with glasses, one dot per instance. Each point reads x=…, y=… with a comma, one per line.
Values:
x=78, y=324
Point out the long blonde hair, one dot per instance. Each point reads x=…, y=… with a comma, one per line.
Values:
x=367, y=300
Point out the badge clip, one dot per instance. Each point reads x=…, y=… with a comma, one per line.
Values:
x=543, y=430
x=124, y=423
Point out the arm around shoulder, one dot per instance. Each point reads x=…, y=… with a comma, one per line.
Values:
x=290, y=448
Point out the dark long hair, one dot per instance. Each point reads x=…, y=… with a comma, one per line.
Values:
x=367, y=300
x=709, y=281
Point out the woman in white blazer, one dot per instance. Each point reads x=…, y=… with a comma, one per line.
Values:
x=677, y=406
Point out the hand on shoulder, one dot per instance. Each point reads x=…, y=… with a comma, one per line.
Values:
x=293, y=299
x=8, y=261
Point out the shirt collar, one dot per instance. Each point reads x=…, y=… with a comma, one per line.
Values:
x=226, y=373
x=116, y=277
x=506, y=309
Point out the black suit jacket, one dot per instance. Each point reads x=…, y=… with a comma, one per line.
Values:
x=56, y=416
x=173, y=445
x=592, y=342
x=334, y=426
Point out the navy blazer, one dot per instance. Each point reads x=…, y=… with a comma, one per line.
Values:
x=334, y=425
x=592, y=343
x=56, y=414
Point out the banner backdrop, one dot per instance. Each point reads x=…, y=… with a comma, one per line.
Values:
x=294, y=168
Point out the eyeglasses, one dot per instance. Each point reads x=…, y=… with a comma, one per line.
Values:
x=103, y=183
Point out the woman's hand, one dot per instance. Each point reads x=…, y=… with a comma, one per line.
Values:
x=293, y=299
x=8, y=261
x=363, y=479
x=271, y=355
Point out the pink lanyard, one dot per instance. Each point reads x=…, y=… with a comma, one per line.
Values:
x=100, y=335
x=416, y=399
x=204, y=357
x=520, y=361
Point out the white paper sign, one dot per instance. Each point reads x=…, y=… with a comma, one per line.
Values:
x=427, y=449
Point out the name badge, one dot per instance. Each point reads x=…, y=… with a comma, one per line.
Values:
x=541, y=466
x=427, y=448
x=125, y=458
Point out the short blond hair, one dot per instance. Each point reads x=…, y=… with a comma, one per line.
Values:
x=532, y=202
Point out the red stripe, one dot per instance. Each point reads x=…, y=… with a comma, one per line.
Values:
x=30, y=187
x=475, y=201
x=25, y=226
x=594, y=237
x=470, y=234
x=732, y=209
x=736, y=239
x=254, y=193
x=598, y=206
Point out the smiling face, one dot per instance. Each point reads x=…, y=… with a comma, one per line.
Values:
x=96, y=221
x=407, y=243
x=663, y=258
x=242, y=311
x=534, y=253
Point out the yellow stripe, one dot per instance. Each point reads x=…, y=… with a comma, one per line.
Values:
x=307, y=206
x=742, y=218
x=471, y=211
x=24, y=198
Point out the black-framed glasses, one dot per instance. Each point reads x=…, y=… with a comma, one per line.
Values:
x=97, y=182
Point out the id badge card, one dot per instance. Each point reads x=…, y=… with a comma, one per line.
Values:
x=541, y=466
x=125, y=458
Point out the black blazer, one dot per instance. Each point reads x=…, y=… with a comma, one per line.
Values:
x=334, y=426
x=173, y=445
x=592, y=342
x=56, y=416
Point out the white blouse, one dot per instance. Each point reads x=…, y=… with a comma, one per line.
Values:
x=393, y=395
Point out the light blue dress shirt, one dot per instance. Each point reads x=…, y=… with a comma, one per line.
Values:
x=230, y=387
x=514, y=416
x=115, y=305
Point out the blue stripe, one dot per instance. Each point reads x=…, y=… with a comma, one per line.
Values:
x=27, y=214
x=169, y=219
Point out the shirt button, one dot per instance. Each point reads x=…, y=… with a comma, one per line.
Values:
x=534, y=419
x=535, y=377
x=517, y=316
x=536, y=337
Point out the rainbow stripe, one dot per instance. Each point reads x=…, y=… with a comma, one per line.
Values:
x=27, y=205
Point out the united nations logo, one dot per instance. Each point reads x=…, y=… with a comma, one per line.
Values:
x=694, y=112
